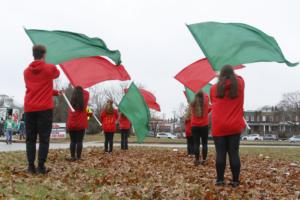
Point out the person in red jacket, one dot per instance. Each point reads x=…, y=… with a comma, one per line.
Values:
x=227, y=97
x=188, y=132
x=38, y=106
x=199, y=123
x=108, y=119
x=125, y=125
x=77, y=121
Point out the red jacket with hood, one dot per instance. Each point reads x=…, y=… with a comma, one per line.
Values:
x=39, y=78
x=109, y=121
x=78, y=120
x=124, y=122
x=227, y=113
x=203, y=120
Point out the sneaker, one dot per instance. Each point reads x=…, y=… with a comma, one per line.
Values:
x=42, y=170
x=31, y=169
x=234, y=184
x=219, y=183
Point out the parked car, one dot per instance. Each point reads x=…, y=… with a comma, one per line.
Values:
x=270, y=137
x=252, y=137
x=166, y=135
x=295, y=138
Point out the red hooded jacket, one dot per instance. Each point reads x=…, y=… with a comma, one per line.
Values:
x=203, y=120
x=39, y=78
x=227, y=113
x=109, y=121
x=188, y=131
x=124, y=122
x=78, y=120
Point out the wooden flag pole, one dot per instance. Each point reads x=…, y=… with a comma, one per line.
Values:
x=68, y=102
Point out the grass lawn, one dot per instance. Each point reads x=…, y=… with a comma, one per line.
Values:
x=132, y=138
x=150, y=173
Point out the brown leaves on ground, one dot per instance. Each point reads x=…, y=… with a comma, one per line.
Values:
x=146, y=173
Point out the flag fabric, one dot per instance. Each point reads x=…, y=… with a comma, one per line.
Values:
x=64, y=46
x=196, y=75
x=149, y=98
x=88, y=71
x=190, y=95
x=235, y=44
x=136, y=110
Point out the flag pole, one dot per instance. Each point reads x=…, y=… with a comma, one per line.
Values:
x=247, y=125
x=68, y=102
x=97, y=120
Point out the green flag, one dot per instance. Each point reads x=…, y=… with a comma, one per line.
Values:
x=136, y=110
x=63, y=46
x=190, y=95
x=235, y=44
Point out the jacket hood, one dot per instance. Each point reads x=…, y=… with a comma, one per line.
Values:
x=36, y=66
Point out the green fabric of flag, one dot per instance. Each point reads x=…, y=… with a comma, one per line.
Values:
x=235, y=44
x=190, y=95
x=134, y=107
x=64, y=46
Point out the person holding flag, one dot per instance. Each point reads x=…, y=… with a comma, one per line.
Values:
x=125, y=125
x=77, y=121
x=199, y=123
x=188, y=134
x=38, y=107
x=227, y=98
x=108, y=118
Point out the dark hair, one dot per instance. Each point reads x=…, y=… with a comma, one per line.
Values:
x=38, y=51
x=198, y=104
x=227, y=73
x=77, y=100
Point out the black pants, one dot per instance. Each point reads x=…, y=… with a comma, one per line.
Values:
x=124, y=138
x=190, y=145
x=109, y=139
x=228, y=144
x=76, y=143
x=38, y=124
x=200, y=134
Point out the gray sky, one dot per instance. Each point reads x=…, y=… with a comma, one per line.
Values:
x=154, y=41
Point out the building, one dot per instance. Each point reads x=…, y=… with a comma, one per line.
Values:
x=272, y=121
x=8, y=107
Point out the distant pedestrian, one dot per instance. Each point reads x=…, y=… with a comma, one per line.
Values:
x=21, y=128
x=77, y=121
x=124, y=125
x=188, y=132
x=9, y=128
x=199, y=123
x=38, y=107
x=227, y=97
x=108, y=119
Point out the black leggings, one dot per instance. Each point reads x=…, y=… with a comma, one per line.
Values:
x=76, y=143
x=109, y=138
x=228, y=144
x=124, y=138
x=190, y=145
x=200, y=133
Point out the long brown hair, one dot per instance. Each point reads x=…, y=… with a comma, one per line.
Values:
x=188, y=112
x=227, y=73
x=197, y=104
x=77, y=100
x=109, y=109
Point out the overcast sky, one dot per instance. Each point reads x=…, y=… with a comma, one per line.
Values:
x=154, y=41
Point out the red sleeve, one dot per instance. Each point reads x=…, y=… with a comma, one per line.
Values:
x=116, y=114
x=86, y=96
x=102, y=115
x=55, y=72
x=55, y=92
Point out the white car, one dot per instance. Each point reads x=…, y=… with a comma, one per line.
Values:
x=166, y=135
x=295, y=138
x=252, y=137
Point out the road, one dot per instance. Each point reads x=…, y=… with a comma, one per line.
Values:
x=21, y=146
